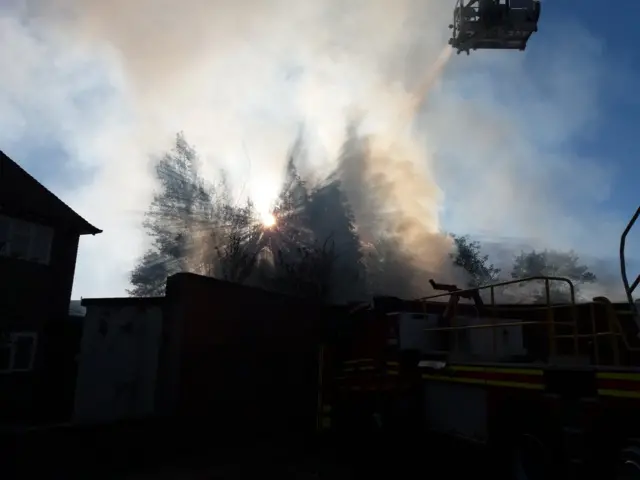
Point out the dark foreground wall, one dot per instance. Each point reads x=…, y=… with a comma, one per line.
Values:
x=239, y=358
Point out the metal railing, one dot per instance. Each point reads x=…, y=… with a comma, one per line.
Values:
x=493, y=286
x=629, y=289
x=549, y=308
x=614, y=329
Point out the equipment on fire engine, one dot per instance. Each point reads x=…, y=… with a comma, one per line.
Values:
x=493, y=24
x=553, y=387
x=468, y=294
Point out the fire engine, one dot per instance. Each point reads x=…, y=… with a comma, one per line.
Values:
x=493, y=24
x=554, y=388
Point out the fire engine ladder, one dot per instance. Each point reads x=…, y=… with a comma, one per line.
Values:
x=555, y=328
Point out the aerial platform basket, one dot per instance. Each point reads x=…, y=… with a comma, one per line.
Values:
x=493, y=24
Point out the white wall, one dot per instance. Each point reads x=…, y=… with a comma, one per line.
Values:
x=478, y=342
x=507, y=339
x=118, y=362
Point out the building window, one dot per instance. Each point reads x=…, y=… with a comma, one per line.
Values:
x=17, y=352
x=25, y=240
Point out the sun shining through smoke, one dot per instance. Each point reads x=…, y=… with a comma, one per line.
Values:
x=346, y=57
x=112, y=82
x=268, y=220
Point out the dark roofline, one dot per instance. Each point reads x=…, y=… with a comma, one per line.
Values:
x=122, y=301
x=227, y=285
x=85, y=228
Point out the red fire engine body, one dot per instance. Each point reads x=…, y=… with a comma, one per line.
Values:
x=555, y=388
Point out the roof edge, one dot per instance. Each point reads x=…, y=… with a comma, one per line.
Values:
x=123, y=301
x=90, y=230
x=84, y=227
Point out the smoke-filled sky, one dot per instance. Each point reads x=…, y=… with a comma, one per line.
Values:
x=535, y=146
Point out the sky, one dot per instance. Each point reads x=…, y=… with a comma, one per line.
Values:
x=534, y=147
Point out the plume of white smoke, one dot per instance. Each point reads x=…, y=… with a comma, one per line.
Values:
x=113, y=82
x=215, y=69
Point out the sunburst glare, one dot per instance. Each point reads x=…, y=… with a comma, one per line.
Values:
x=268, y=220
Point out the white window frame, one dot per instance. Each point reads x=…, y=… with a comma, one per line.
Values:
x=35, y=230
x=13, y=336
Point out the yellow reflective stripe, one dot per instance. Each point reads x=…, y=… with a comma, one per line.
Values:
x=515, y=371
x=619, y=393
x=482, y=381
x=530, y=386
x=476, y=381
x=618, y=376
